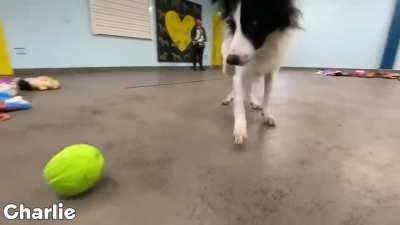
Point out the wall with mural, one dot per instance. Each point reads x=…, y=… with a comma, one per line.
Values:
x=335, y=35
x=57, y=34
x=175, y=21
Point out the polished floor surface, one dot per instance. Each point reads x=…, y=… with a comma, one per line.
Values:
x=333, y=159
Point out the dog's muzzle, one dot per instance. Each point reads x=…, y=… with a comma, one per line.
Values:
x=233, y=60
x=237, y=60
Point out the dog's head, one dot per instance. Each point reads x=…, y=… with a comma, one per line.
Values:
x=250, y=22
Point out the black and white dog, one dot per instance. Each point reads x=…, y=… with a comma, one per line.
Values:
x=257, y=37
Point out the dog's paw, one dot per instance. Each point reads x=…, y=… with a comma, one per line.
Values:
x=255, y=106
x=269, y=120
x=226, y=102
x=240, y=135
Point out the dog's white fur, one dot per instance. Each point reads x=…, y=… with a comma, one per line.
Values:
x=254, y=79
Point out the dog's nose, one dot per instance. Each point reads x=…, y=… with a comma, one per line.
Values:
x=233, y=60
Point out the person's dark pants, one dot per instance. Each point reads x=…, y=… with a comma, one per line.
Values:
x=197, y=52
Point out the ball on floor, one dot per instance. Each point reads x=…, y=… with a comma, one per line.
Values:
x=74, y=170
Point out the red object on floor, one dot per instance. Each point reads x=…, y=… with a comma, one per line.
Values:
x=4, y=117
x=2, y=107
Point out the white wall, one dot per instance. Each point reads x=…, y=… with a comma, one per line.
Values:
x=57, y=34
x=342, y=33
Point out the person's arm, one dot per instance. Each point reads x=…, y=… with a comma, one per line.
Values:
x=193, y=34
x=198, y=35
x=205, y=34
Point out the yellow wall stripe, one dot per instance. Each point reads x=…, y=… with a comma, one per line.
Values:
x=218, y=27
x=5, y=63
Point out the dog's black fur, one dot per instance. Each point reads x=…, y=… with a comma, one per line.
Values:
x=259, y=18
x=257, y=40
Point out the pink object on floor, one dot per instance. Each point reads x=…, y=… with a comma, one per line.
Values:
x=4, y=117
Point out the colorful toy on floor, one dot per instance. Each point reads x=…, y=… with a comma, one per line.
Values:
x=5, y=94
x=8, y=85
x=360, y=73
x=4, y=117
x=8, y=103
x=7, y=80
x=14, y=104
x=40, y=83
x=74, y=170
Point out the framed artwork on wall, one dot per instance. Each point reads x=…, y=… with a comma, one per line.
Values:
x=175, y=20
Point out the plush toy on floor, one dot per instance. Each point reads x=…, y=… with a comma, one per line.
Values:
x=8, y=101
x=40, y=83
x=74, y=170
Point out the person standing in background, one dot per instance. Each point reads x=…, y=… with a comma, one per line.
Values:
x=199, y=38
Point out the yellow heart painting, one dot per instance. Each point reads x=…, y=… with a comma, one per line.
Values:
x=179, y=30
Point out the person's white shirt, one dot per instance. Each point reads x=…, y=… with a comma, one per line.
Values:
x=199, y=36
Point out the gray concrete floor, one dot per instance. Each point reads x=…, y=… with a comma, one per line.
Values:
x=334, y=158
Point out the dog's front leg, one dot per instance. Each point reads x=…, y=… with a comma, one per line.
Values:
x=266, y=113
x=257, y=93
x=240, y=126
x=228, y=98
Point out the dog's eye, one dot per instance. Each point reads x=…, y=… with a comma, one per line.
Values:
x=231, y=24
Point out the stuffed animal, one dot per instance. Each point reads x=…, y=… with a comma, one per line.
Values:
x=40, y=83
x=8, y=99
